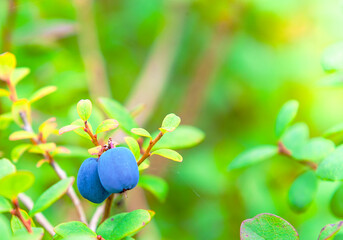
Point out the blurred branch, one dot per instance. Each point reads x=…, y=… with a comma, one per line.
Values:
x=27, y=201
x=16, y=212
x=9, y=25
x=96, y=216
x=90, y=50
x=107, y=209
x=154, y=75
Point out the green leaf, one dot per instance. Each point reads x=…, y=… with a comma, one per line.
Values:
x=68, y=128
x=183, y=137
x=170, y=123
x=84, y=109
x=315, y=150
x=332, y=57
x=267, y=226
x=253, y=156
x=42, y=93
x=23, y=234
x=7, y=65
x=51, y=195
x=336, y=202
x=13, y=184
x=21, y=107
x=73, y=228
x=4, y=92
x=6, y=167
x=5, y=230
x=117, y=111
x=330, y=230
x=18, y=74
x=156, y=185
x=303, y=191
x=17, y=225
x=47, y=128
x=168, y=153
x=124, y=224
x=295, y=137
x=141, y=132
x=5, y=205
x=334, y=133
x=286, y=116
x=331, y=167
x=134, y=146
x=107, y=125
x=18, y=151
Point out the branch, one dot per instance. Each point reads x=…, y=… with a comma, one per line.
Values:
x=90, y=50
x=26, y=200
x=92, y=136
x=96, y=216
x=16, y=212
x=9, y=25
x=147, y=151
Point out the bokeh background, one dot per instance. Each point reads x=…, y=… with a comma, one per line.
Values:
x=225, y=66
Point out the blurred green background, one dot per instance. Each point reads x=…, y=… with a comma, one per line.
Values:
x=224, y=66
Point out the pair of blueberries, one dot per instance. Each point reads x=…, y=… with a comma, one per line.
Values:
x=114, y=172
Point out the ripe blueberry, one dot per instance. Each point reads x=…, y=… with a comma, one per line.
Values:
x=118, y=170
x=88, y=182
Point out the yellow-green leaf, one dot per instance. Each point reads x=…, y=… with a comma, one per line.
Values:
x=47, y=128
x=18, y=74
x=20, y=109
x=156, y=185
x=7, y=65
x=134, y=146
x=107, y=125
x=141, y=132
x=68, y=128
x=42, y=148
x=80, y=131
x=18, y=151
x=94, y=150
x=42, y=93
x=6, y=167
x=170, y=123
x=84, y=109
x=18, y=135
x=5, y=120
x=168, y=153
x=15, y=183
x=4, y=92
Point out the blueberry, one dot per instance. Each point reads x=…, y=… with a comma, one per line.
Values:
x=88, y=182
x=118, y=170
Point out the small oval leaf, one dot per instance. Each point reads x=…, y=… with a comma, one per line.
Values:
x=19, y=135
x=18, y=74
x=18, y=151
x=303, y=191
x=286, y=115
x=84, y=109
x=51, y=195
x=267, y=226
x=156, y=185
x=330, y=230
x=170, y=123
x=6, y=167
x=331, y=167
x=68, y=128
x=7, y=65
x=134, y=146
x=20, y=108
x=252, y=156
x=141, y=132
x=73, y=228
x=107, y=125
x=42, y=93
x=95, y=150
x=168, y=153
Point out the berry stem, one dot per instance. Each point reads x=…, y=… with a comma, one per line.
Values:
x=282, y=150
x=147, y=151
x=16, y=212
x=108, y=205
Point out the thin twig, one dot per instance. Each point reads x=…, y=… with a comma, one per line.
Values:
x=108, y=205
x=16, y=212
x=96, y=216
x=93, y=137
x=40, y=218
x=147, y=151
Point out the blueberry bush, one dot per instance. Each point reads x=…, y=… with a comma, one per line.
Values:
x=112, y=169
